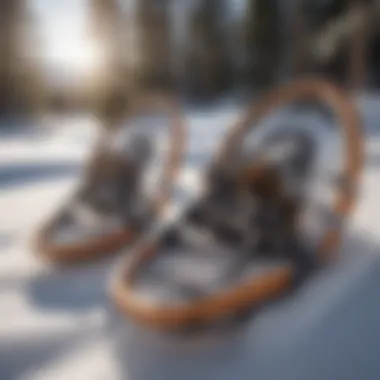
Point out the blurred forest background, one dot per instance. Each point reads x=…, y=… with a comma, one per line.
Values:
x=202, y=49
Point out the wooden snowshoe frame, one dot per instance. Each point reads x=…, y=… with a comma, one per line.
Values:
x=272, y=284
x=108, y=244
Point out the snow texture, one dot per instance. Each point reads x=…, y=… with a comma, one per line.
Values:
x=58, y=323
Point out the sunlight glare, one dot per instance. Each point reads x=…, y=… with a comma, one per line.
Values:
x=76, y=55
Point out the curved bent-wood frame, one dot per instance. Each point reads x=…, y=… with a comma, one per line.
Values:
x=278, y=280
x=104, y=245
x=350, y=128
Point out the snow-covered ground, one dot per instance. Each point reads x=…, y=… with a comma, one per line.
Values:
x=57, y=323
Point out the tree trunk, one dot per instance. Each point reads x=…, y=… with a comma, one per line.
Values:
x=20, y=79
x=263, y=42
x=207, y=60
x=154, y=42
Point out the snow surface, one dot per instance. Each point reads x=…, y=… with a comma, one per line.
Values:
x=58, y=323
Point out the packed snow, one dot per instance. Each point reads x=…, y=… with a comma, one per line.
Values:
x=58, y=323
